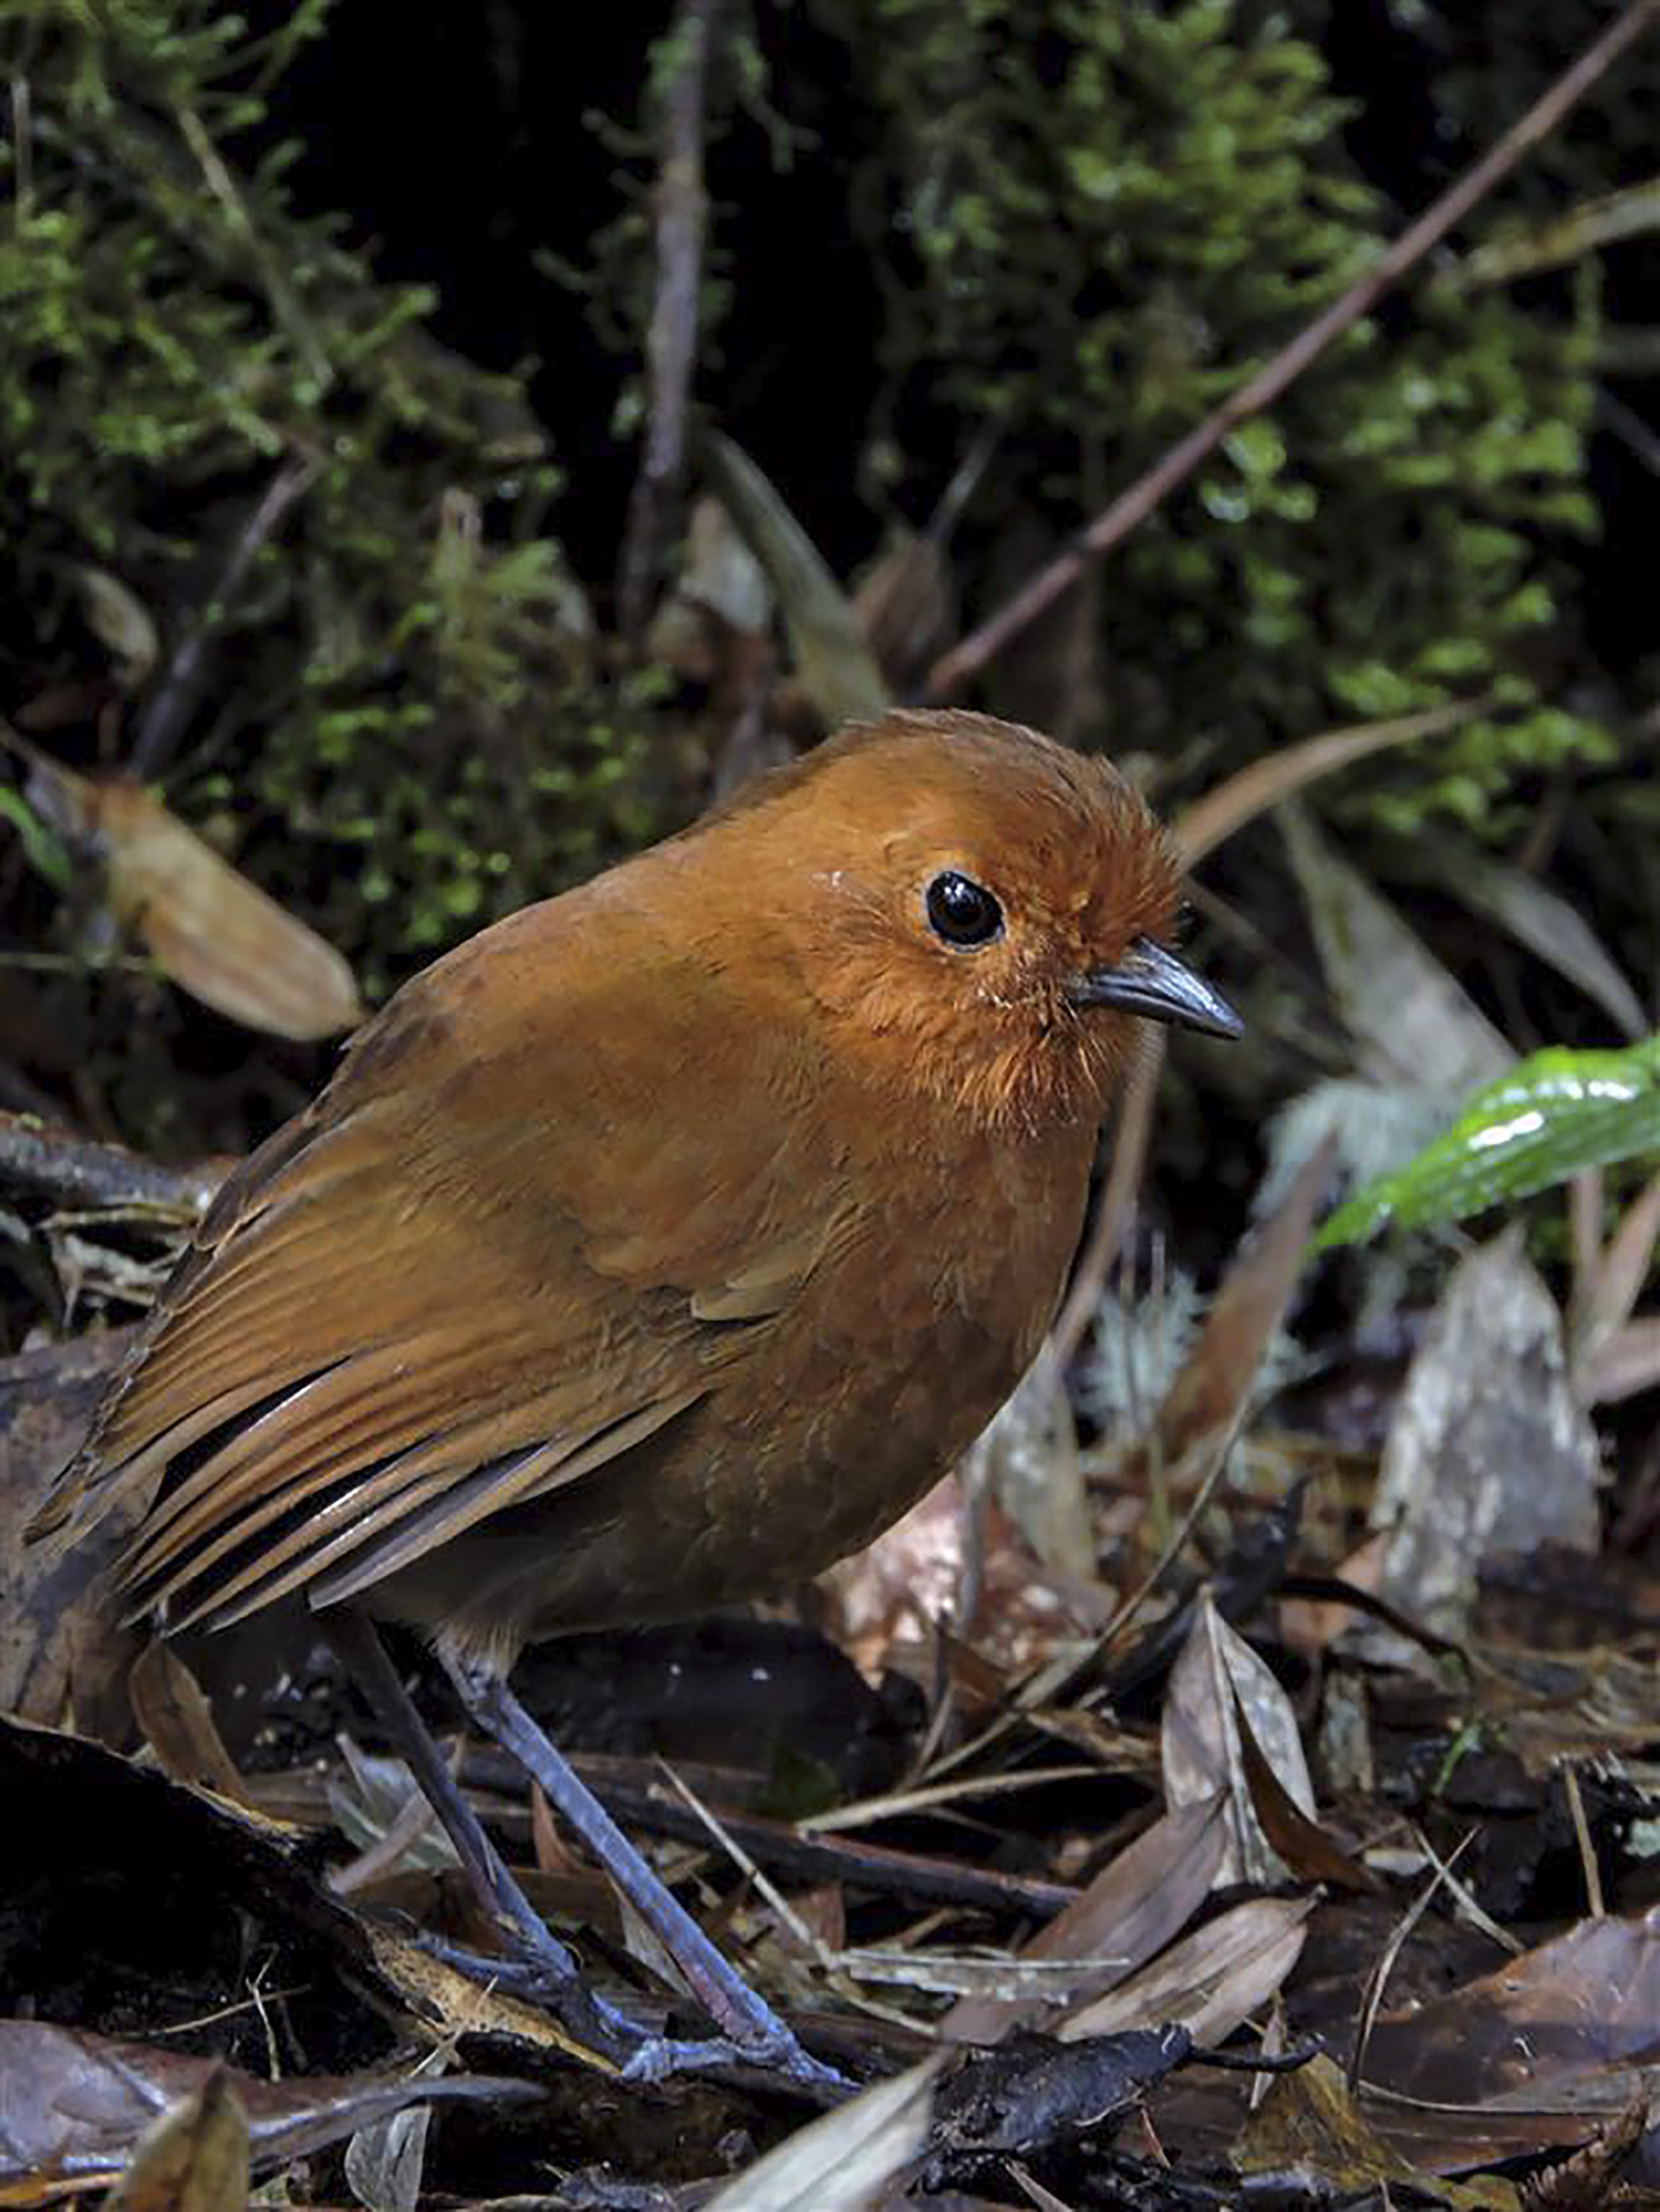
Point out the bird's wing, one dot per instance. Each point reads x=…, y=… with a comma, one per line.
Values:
x=414, y=1307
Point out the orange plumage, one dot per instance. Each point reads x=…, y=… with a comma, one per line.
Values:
x=656, y=1248
x=661, y=1244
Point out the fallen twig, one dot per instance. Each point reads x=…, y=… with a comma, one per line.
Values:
x=672, y=339
x=965, y=661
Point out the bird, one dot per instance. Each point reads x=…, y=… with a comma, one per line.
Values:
x=653, y=1250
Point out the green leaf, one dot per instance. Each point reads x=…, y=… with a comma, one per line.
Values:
x=44, y=851
x=1551, y=1115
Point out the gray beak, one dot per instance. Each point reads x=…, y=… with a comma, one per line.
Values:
x=1153, y=983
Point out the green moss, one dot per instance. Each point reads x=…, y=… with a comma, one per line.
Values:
x=1107, y=218
x=405, y=712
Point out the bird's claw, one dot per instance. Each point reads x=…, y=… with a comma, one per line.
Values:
x=644, y=2059
x=662, y=2059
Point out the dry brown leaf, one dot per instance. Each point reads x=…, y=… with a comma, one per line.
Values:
x=1210, y=1982
x=1311, y=1853
x=75, y=2104
x=217, y=935
x=1127, y=1914
x=1529, y=2057
x=62, y=1649
x=1311, y=1626
x=1217, y=1374
x=177, y=1723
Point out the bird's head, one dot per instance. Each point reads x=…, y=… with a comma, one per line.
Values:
x=983, y=914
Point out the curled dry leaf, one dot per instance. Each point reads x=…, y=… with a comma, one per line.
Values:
x=214, y=933
x=177, y=1722
x=1218, y=1679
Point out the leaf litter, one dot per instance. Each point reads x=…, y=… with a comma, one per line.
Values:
x=1106, y=1917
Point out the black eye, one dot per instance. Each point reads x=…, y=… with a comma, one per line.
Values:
x=961, y=911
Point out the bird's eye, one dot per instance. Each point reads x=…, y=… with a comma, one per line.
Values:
x=962, y=912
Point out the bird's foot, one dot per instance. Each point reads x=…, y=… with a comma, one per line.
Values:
x=639, y=2055
x=664, y=2058
x=545, y=1981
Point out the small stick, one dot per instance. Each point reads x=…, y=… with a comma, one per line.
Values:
x=671, y=341
x=76, y=1172
x=958, y=667
x=175, y=698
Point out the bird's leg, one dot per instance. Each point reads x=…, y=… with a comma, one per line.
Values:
x=756, y=2035
x=556, y=1980
x=542, y=1969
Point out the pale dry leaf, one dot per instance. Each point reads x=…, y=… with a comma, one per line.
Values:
x=1412, y=1020
x=1545, y=921
x=195, y=2158
x=1488, y=1451
x=1029, y=1457
x=217, y=935
x=1266, y=783
x=1610, y=1280
x=1622, y=1364
x=123, y=625
x=385, y=2162
x=837, y=669
x=846, y=2161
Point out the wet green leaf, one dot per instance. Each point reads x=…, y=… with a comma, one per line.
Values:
x=1547, y=1118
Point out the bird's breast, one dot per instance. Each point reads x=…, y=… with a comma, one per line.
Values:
x=828, y=1421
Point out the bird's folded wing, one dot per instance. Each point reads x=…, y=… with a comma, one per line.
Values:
x=353, y=1368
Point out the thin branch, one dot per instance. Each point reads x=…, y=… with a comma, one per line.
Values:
x=75, y=1172
x=175, y=696
x=963, y=662
x=671, y=341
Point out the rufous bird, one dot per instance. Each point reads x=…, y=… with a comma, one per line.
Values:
x=656, y=1249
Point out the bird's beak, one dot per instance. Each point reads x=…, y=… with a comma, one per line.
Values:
x=1153, y=982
